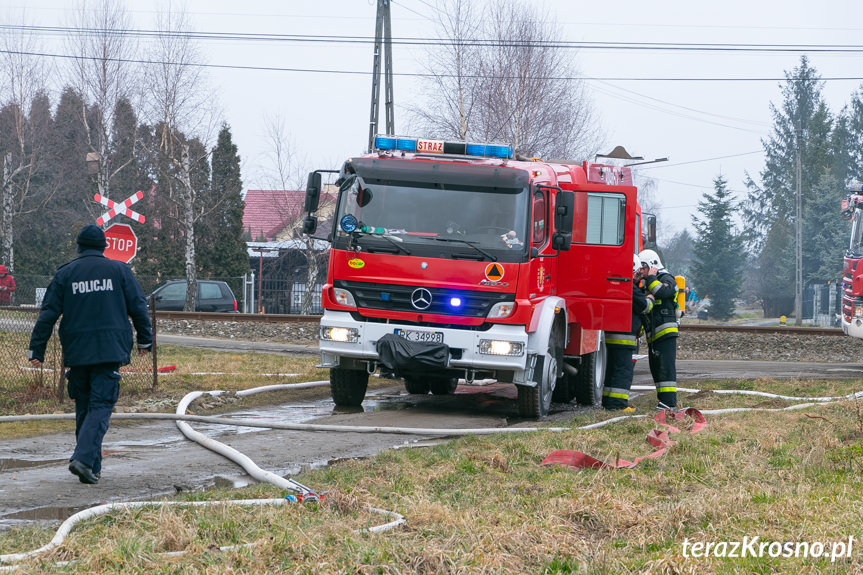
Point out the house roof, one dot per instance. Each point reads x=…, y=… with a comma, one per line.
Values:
x=268, y=212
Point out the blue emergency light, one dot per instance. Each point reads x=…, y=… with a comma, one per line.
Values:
x=387, y=143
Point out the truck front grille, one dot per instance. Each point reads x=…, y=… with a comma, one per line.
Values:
x=398, y=298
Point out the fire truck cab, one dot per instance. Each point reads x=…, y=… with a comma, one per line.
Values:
x=455, y=263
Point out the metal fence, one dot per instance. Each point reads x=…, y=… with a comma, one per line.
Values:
x=20, y=380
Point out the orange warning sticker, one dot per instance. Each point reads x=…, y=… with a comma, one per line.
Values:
x=493, y=272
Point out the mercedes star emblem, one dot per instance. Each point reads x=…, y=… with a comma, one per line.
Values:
x=421, y=298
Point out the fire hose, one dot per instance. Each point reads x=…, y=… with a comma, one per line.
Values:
x=304, y=492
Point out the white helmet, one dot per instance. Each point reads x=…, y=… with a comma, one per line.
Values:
x=651, y=258
x=636, y=263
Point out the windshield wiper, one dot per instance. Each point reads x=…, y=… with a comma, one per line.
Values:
x=466, y=242
x=359, y=234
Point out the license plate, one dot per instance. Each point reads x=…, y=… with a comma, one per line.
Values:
x=421, y=336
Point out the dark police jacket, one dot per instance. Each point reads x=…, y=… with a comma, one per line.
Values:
x=96, y=297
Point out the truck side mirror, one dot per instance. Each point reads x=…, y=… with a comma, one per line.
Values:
x=313, y=193
x=651, y=229
x=564, y=216
x=310, y=224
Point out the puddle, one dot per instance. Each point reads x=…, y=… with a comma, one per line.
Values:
x=47, y=515
x=13, y=464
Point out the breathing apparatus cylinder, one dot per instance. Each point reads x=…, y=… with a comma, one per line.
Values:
x=681, y=295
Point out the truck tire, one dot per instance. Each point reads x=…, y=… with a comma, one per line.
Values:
x=443, y=385
x=534, y=402
x=348, y=386
x=416, y=385
x=590, y=376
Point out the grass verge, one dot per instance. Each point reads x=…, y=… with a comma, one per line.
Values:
x=485, y=505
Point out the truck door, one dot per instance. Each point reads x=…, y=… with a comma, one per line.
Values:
x=542, y=270
x=596, y=272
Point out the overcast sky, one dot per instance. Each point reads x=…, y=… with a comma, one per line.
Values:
x=706, y=110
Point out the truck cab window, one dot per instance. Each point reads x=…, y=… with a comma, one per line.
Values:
x=600, y=218
x=539, y=218
x=856, y=247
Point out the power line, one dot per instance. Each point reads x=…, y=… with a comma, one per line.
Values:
x=428, y=75
x=664, y=165
x=476, y=42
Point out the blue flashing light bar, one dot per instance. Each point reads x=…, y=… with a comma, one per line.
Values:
x=387, y=143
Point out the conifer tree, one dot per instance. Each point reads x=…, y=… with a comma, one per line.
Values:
x=222, y=251
x=719, y=253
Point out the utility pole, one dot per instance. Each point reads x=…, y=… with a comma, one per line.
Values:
x=383, y=40
x=798, y=279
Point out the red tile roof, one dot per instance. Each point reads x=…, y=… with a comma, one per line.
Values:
x=268, y=212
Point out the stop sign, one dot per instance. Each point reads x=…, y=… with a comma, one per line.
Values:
x=122, y=243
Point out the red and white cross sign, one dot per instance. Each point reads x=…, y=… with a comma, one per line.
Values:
x=121, y=208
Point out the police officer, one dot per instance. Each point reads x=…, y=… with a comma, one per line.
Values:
x=96, y=297
x=620, y=347
x=662, y=332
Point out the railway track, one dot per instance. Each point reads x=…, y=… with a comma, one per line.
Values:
x=284, y=318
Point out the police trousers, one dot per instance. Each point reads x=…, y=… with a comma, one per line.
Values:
x=95, y=389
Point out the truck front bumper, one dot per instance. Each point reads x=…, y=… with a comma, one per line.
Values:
x=854, y=328
x=469, y=349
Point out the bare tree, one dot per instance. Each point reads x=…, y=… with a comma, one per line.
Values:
x=22, y=79
x=183, y=111
x=286, y=173
x=103, y=72
x=512, y=83
x=459, y=56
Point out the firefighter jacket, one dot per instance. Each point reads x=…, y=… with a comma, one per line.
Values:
x=663, y=317
x=96, y=297
x=640, y=306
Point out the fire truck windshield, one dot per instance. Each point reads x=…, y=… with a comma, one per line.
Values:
x=471, y=221
x=856, y=247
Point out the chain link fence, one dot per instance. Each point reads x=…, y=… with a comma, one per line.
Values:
x=20, y=380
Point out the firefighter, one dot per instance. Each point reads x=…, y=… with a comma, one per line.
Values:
x=620, y=347
x=96, y=297
x=662, y=332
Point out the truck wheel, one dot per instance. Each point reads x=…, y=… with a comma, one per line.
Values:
x=590, y=376
x=443, y=385
x=417, y=386
x=534, y=402
x=348, y=386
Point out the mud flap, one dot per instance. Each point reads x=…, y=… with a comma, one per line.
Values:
x=397, y=354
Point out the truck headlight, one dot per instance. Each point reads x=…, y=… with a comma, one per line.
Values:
x=342, y=334
x=344, y=297
x=858, y=309
x=501, y=310
x=501, y=347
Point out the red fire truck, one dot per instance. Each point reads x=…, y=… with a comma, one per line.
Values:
x=458, y=262
x=852, y=272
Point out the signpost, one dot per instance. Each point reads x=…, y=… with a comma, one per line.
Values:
x=122, y=243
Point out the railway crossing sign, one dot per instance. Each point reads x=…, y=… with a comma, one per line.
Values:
x=122, y=243
x=119, y=208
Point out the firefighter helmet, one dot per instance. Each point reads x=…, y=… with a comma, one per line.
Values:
x=636, y=263
x=651, y=259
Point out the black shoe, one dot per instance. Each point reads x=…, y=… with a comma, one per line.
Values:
x=84, y=473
